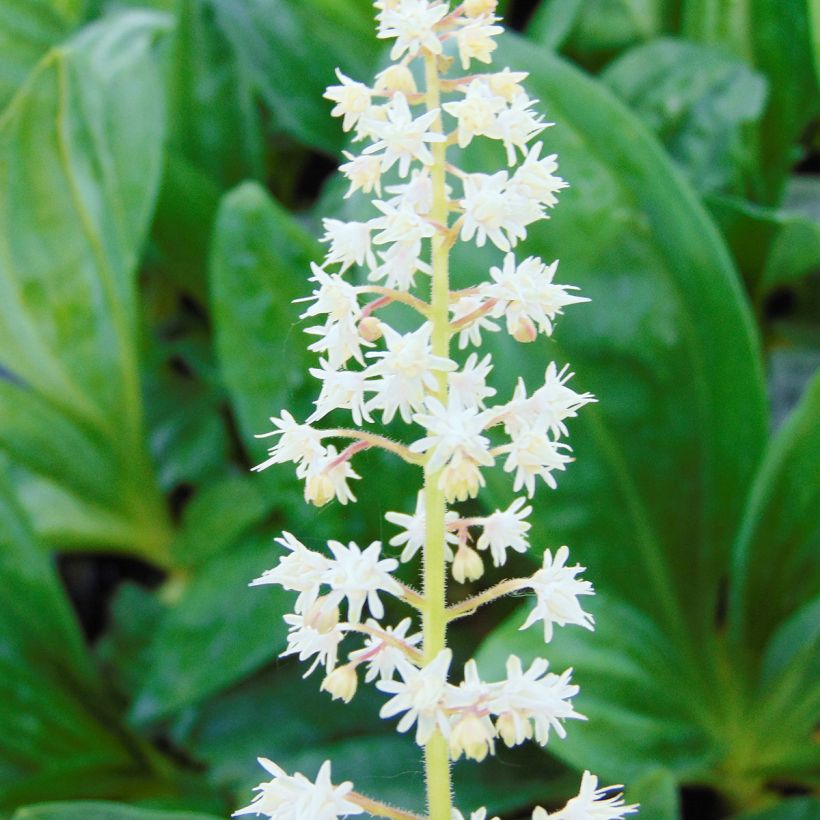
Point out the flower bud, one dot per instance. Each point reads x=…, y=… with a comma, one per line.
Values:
x=513, y=731
x=319, y=490
x=370, y=329
x=323, y=616
x=475, y=8
x=461, y=480
x=471, y=737
x=524, y=330
x=341, y=683
x=467, y=565
x=396, y=78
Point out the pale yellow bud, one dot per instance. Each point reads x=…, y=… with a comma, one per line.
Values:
x=341, y=683
x=319, y=490
x=461, y=480
x=506, y=727
x=323, y=616
x=370, y=329
x=524, y=330
x=475, y=8
x=471, y=737
x=396, y=78
x=467, y=565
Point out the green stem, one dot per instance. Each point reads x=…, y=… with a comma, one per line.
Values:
x=434, y=620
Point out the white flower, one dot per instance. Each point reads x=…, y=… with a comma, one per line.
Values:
x=505, y=530
x=490, y=212
x=476, y=112
x=327, y=479
x=417, y=194
x=400, y=223
x=415, y=527
x=407, y=369
x=340, y=341
x=532, y=454
x=525, y=290
x=359, y=575
x=364, y=172
x=301, y=571
x=557, y=590
x=592, y=803
x=506, y=83
x=471, y=333
x=382, y=658
x=396, y=78
x=555, y=402
x=306, y=640
x=474, y=37
x=400, y=263
x=536, y=701
x=402, y=138
x=536, y=176
x=299, y=443
x=472, y=731
x=419, y=694
x=352, y=100
x=285, y=796
x=412, y=23
x=516, y=125
x=469, y=385
x=341, y=389
x=334, y=297
x=349, y=244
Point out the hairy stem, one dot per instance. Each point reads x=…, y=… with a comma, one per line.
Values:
x=378, y=809
x=470, y=605
x=436, y=752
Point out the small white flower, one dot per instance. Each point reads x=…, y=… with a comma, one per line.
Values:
x=490, y=212
x=327, y=479
x=469, y=385
x=419, y=694
x=382, y=658
x=334, y=297
x=400, y=264
x=402, y=138
x=412, y=23
x=299, y=443
x=503, y=530
x=532, y=454
x=537, y=700
x=285, y=796
x=400, y=223
x=537, y=177
x=592, y=803
x=396, y=77
x=516, y=125
x=352, y=100
x=474, y=37
x=406, y=370
x=506, y=83
x=301, y=571
x=349, y=244
x=339, y=341
x=359, y=575
x=305, y=640
x=557, y=590
x=364, y=172
x=414, y=528
x=476, y=112
x=472, y=731
x=471, y=333
x=417, y=194
x=341, y=389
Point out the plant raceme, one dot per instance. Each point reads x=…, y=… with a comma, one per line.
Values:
x=373, y=370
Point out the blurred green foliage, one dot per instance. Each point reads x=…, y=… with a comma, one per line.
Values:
x=160, y=163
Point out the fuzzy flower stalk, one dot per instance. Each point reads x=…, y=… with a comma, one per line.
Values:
x=413, y=123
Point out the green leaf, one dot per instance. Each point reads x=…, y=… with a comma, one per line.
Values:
x=553, y=20
x=700, y=102
x=773, y=38
x=774, y=557
x=668, y=346
x=219, y=631
x=290, y=52
x=61, y=735
x=797, y=808
x=80, y=159
x=657, y=794
x=100, y=810
x=28, y=29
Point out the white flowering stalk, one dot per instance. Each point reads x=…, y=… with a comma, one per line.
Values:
x=422, y=205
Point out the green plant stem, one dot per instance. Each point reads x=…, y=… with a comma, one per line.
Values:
x=379, y=809
x=434, y=620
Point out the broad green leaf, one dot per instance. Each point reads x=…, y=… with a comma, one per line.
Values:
x=553, y=20
x=774, y=38
x=28, y=29
x=61, y=734
x=657, y=795
x=289, y=51
x=666, y=344
x=217, y=633
x=101, y=810
x=796, y=808
x=80, y=159
x=700, y=102
x=632, y=691
x=775, y=555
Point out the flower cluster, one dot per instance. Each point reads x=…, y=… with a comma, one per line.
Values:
x=432, y=380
